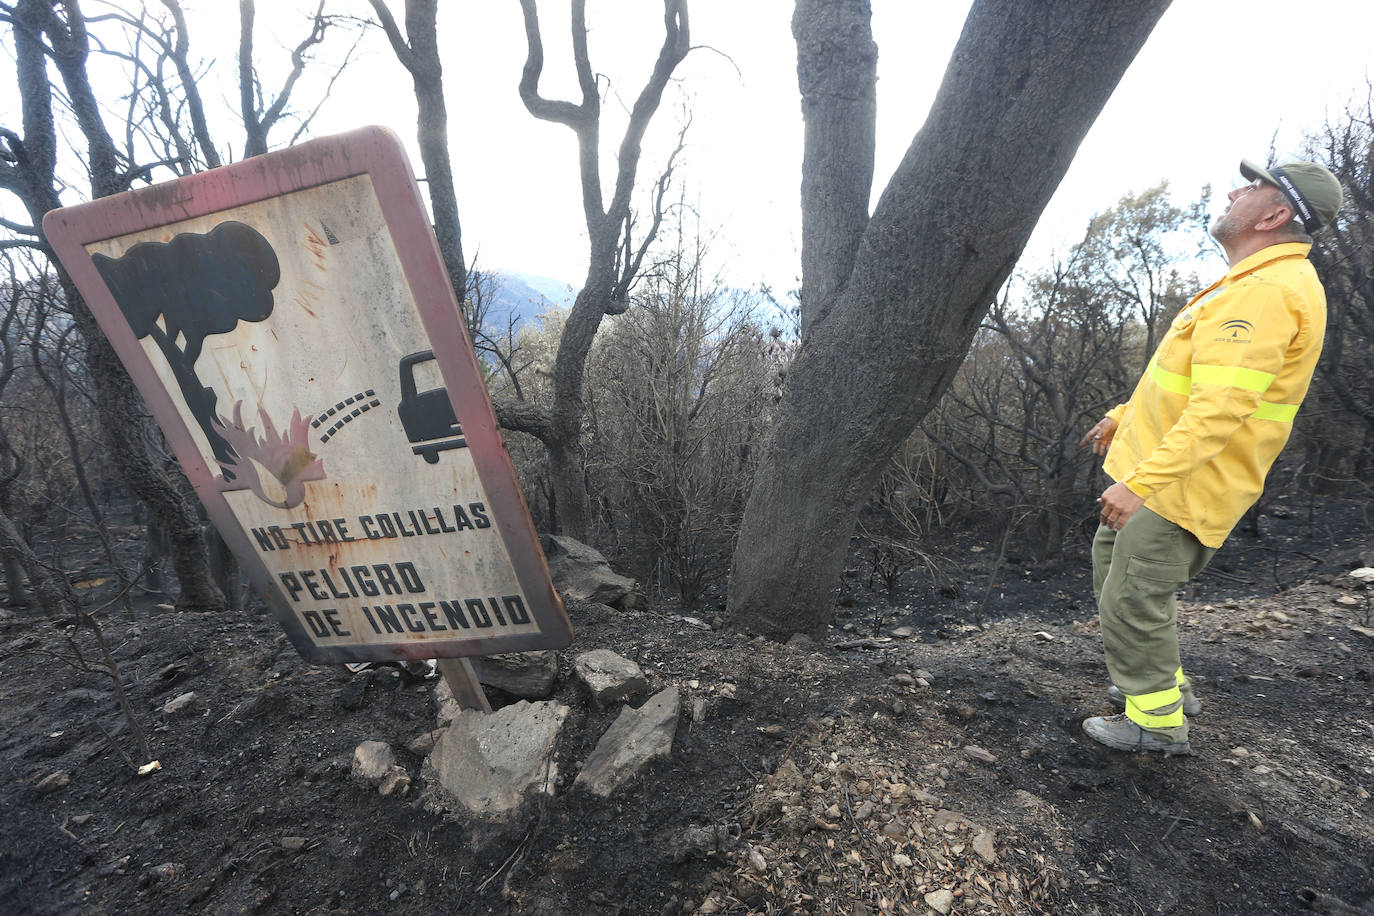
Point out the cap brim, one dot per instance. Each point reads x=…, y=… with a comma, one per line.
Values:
x=1251, y=171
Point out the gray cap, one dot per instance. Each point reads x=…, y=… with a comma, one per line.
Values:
x=1314, y=192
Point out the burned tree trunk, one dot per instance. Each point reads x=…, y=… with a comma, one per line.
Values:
x=837, y=69
x=31, y=174
x=418, y=52
x=1023, y=86
x=614, y=256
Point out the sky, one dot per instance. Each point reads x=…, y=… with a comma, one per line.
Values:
x=1217, y=80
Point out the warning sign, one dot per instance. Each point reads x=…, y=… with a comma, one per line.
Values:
x=290, y=323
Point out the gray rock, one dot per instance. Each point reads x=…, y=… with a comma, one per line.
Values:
x=292, y=843
x=373, y=760
x=977, y=753
x=985, y=844
x=488, y=765
x=447, y=708
x=698, y=841
x=941, y=901
x=637, y=737
x=610, y=678
x=424, y=744
x=167, y=871
x=582, y=573
x=54, y=781
x=528, y=675
x=183, y=703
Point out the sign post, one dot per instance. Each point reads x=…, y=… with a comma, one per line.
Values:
x=289, y=321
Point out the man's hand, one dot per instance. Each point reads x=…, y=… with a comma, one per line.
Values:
x=1117, y=504
x=1100, y=436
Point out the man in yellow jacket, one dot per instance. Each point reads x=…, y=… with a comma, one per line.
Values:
x=1189, y=451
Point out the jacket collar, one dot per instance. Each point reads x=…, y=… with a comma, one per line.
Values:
x=1266, y=256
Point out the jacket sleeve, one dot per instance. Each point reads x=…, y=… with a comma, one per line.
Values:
x=1239, y=346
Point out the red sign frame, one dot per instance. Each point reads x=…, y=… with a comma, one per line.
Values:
x=377, y=154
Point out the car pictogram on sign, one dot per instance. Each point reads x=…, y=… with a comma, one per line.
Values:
x=427, y=416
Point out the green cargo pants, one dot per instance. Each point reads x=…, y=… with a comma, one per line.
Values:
x=1136, y=572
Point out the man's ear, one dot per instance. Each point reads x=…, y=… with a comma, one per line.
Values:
x=1277, y=215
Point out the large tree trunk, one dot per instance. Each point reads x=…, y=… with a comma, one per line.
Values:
x=837, y=68
x=1025, y=82
x=150, y=472
x=128, y=428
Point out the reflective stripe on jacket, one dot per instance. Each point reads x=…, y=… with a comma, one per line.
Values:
x=1216, y=404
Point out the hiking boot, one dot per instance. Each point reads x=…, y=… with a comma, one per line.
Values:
x=1191, y=705
x=1121, y=733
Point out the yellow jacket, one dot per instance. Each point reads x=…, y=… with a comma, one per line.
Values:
x=1216, y=404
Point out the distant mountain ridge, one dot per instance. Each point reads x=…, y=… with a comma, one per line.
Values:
x=526, y=296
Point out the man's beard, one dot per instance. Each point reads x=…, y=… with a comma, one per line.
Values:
x=1222, y=229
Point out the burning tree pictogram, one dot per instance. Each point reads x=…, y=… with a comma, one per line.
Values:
x=193, y=287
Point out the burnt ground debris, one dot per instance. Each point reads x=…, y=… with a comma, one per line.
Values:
x=941, y=770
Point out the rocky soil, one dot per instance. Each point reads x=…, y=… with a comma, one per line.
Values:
x=915, y=763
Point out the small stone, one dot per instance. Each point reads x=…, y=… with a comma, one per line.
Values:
x=1262, y=770
x=898, y=707
x=292, y=843
x=833, y=812
x=610, y=678
x=904, y=632
x=423, y=746
x=901, y=860
x=373, y=760
x=54, y=781
x=904, y=679
x=167, y=871
x=1042, y=636
x=895, y=830
x=977, y=753
x=864, y=812
x=924, y=675
x=985, y=845
x=1240, y=752
x=81, y=820
x=925, y=798
x=757, y=861
x=183, y=703
x=1347, y=600
x=396, y=782
x=941, y=901
x=962, y=711
x=922, y=682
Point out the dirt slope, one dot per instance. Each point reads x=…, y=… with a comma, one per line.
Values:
x=942, y=772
